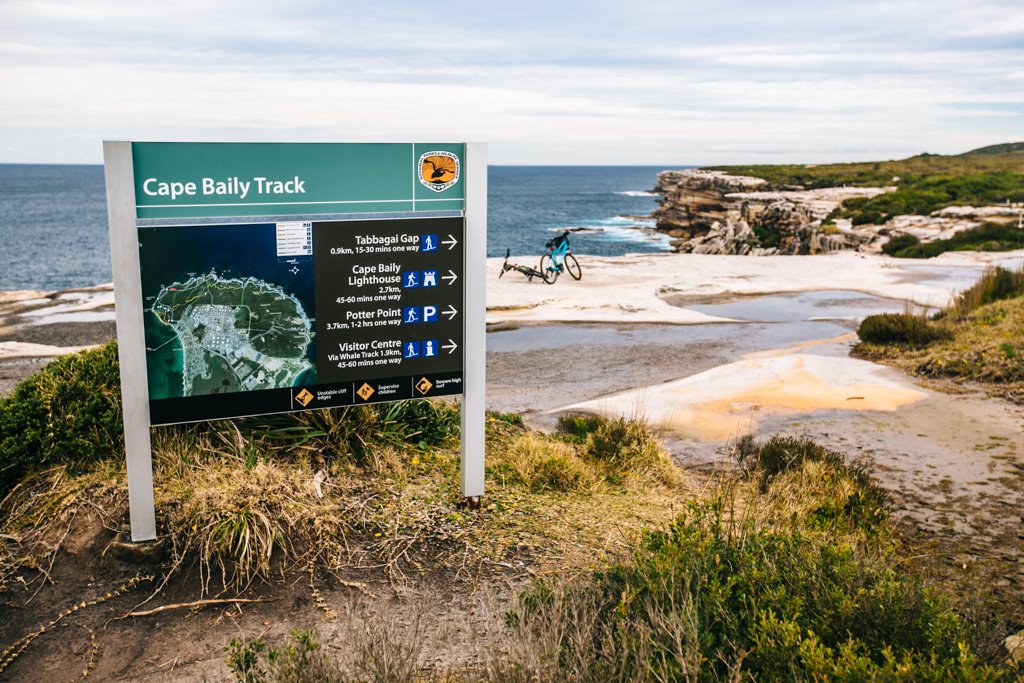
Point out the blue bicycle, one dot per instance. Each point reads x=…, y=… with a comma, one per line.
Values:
x=559, y=257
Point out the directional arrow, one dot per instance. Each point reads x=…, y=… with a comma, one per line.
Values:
x=450, y=346
x=451, y=242
x=451, y=277
x=451, y=312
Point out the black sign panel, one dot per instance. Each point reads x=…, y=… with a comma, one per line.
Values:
x=388, y=298
x=276, y=317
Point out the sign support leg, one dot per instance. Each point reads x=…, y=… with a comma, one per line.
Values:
x=131, y=350
x=474, y=321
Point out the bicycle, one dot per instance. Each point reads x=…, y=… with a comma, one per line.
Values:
x=560, y=255
x=529, y=272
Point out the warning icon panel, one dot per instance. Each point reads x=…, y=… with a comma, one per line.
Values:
x=424, y=385
x=365, y=391
x=304, y=397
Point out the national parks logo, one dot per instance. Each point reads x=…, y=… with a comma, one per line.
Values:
x=439, y=170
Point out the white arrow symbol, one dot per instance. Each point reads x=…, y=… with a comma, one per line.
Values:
x=451, y=346
x=451, y=242
x=451, y=312
x=451, y=277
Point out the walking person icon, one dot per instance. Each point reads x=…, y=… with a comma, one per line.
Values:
x=411, y=350
x=412, y=279
x=412, y=315
x=429, y=243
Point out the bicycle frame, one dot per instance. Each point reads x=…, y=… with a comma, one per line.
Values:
x=529, y=272
x=558, y=253
x=558, y=250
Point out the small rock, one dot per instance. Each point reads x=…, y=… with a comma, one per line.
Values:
x=144, y=552
x=1015, y=646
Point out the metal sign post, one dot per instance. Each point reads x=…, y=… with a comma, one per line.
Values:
x=475, y=304
x=131, y=341
x=264, y=278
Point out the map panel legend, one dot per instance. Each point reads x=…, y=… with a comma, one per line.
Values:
x=294, y=238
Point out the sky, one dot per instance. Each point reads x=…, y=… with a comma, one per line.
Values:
x=604, y=83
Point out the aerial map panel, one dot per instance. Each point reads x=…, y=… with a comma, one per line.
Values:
x=227, y=309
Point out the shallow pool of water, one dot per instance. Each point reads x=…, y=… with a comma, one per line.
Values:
x=803, y=306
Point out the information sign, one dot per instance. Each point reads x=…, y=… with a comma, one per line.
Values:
x=265, y=278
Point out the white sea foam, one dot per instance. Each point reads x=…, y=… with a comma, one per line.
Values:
x=621, y=230
x=639, y=193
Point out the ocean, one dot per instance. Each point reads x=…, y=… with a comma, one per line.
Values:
x=53, y=218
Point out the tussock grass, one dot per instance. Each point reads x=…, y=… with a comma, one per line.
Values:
x=983, y=341
x=798, y=479
x=996, y=284
x=908, y=329
x=589, y=453
x=543, y=464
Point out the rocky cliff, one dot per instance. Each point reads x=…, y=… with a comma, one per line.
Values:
x=712, y=212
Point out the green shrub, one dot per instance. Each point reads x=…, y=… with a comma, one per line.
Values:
x=901, y=328
x=68, y=413
x=899, y=243
x=767, y=238
x=300, y=660
x=577, y=427
x=987, y=237
x=714, y=598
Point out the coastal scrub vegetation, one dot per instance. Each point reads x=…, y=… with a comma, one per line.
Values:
x=982, y=338
x=924, y=183
x=987, y=237
x=791, y=572
x=909, y=329
x=68, y=413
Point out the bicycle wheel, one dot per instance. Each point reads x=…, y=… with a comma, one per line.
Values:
x=573, y=266
x=548, y=270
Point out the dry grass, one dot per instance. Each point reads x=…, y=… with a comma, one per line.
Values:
x=246, y=503
x=38, y=516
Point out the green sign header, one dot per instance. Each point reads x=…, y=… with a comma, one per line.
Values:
x=192, y=180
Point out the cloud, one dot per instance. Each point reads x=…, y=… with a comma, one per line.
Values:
x=654, y=82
